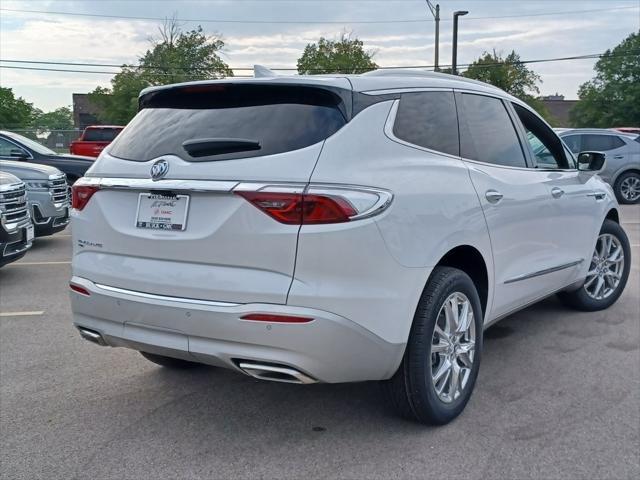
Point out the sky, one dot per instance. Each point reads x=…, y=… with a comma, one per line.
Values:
x=404, y=36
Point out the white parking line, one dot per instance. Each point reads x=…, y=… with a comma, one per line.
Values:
x=21, y=314
x=37, y=263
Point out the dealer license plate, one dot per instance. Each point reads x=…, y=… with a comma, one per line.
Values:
x=162, y=212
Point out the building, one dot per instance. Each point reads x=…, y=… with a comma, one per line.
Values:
x=85, y=112
x=559, y=109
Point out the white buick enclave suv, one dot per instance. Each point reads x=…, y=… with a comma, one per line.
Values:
x=337, y=229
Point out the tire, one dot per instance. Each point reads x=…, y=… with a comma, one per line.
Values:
x=583, y=298
x=627, y=188
x=411, y=392
x=170, y=362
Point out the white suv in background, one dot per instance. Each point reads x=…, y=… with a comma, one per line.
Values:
x=337, y=229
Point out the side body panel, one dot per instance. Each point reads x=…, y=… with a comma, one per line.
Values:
x=374, y=271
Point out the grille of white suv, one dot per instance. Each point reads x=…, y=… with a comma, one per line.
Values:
x=13, y=206
x=58, y=189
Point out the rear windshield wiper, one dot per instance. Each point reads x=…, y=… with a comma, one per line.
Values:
x=202, y=147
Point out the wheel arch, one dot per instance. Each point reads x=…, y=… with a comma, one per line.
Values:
x=470, y=260
x=622, y=171
x=613, y=215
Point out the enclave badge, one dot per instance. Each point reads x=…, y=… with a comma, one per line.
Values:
x=159, y=169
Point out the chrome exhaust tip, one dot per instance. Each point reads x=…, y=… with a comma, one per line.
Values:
x=92, y=336
x=274, y=373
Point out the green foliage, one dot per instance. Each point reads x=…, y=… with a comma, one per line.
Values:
x=511, y=75
x=58, y=119
x=345, y=55
x=176, y=56
x=612, y=97
x=15, y=113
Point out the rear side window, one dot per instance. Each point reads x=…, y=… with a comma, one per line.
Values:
x=227, y=121
x=601, y=143
x=487, y=133
x=100, y=134
x=428, y=119
x=573, y=142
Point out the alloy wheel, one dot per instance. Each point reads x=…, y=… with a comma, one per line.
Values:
x=605, y=270
x=630, y=188
x=453, y=347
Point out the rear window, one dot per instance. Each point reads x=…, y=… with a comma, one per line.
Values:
x=277, y=118
x=601, y=143
x=101, y=134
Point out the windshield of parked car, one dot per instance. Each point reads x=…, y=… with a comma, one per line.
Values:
x=31, y=144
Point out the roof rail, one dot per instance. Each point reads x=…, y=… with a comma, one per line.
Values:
x=414, y=72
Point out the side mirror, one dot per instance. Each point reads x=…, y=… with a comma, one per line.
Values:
x=591, y=161
x=17, y=153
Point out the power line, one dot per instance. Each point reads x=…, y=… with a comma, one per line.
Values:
x=293, y=22
x=395, y=67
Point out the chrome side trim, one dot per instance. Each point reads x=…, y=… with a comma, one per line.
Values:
x=219, y=186
x=527, y=276
x=166, y=298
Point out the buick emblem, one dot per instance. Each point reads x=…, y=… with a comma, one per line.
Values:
x=159, y=169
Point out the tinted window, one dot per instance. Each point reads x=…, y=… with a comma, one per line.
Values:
x=428, y=119
x=573, y=142
x=601, y=143
x=279, y=118
x=544, y=144
x=487, y=133
x=100, y=134
x=7, y=148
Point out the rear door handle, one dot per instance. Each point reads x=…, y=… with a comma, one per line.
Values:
x=618, y=157
x=597, y=195
x=557, y=192
x=493, y=196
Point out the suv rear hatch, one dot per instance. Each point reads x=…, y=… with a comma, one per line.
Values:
x=193, y=233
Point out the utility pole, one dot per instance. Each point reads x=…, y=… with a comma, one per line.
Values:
x=454, y=54
x=435, y=11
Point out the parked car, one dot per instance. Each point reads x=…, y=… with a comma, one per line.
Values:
x=94, y=139
x=337, y=229
x=23, y=149
x=622, y=170
x=16, y=230
x=635, y=130
x=47, y=194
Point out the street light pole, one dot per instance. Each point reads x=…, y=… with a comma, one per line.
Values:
x=435, y=11
x=454, y=55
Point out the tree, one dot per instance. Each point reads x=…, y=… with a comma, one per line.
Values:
x=612, y=97
x=15, y=113
x=176, y=56
x=345, y=55
x=58, y=119
x=511, y=75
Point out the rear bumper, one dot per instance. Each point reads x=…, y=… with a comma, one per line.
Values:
x=330, y=348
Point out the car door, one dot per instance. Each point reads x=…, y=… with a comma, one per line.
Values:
x=577, y=198
x=615, y=150
x=515, y=201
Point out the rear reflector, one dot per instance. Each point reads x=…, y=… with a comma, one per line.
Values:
x=79, y=289
x=81, y=194
x=301, y=209
x=274, y=318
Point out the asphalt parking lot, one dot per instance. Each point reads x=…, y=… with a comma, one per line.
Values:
x=558, y=397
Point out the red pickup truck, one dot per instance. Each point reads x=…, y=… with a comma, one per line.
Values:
x=94, y=139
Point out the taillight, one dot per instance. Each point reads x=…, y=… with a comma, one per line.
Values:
x=318, y=205
x=284, y=207
x=81, y=194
